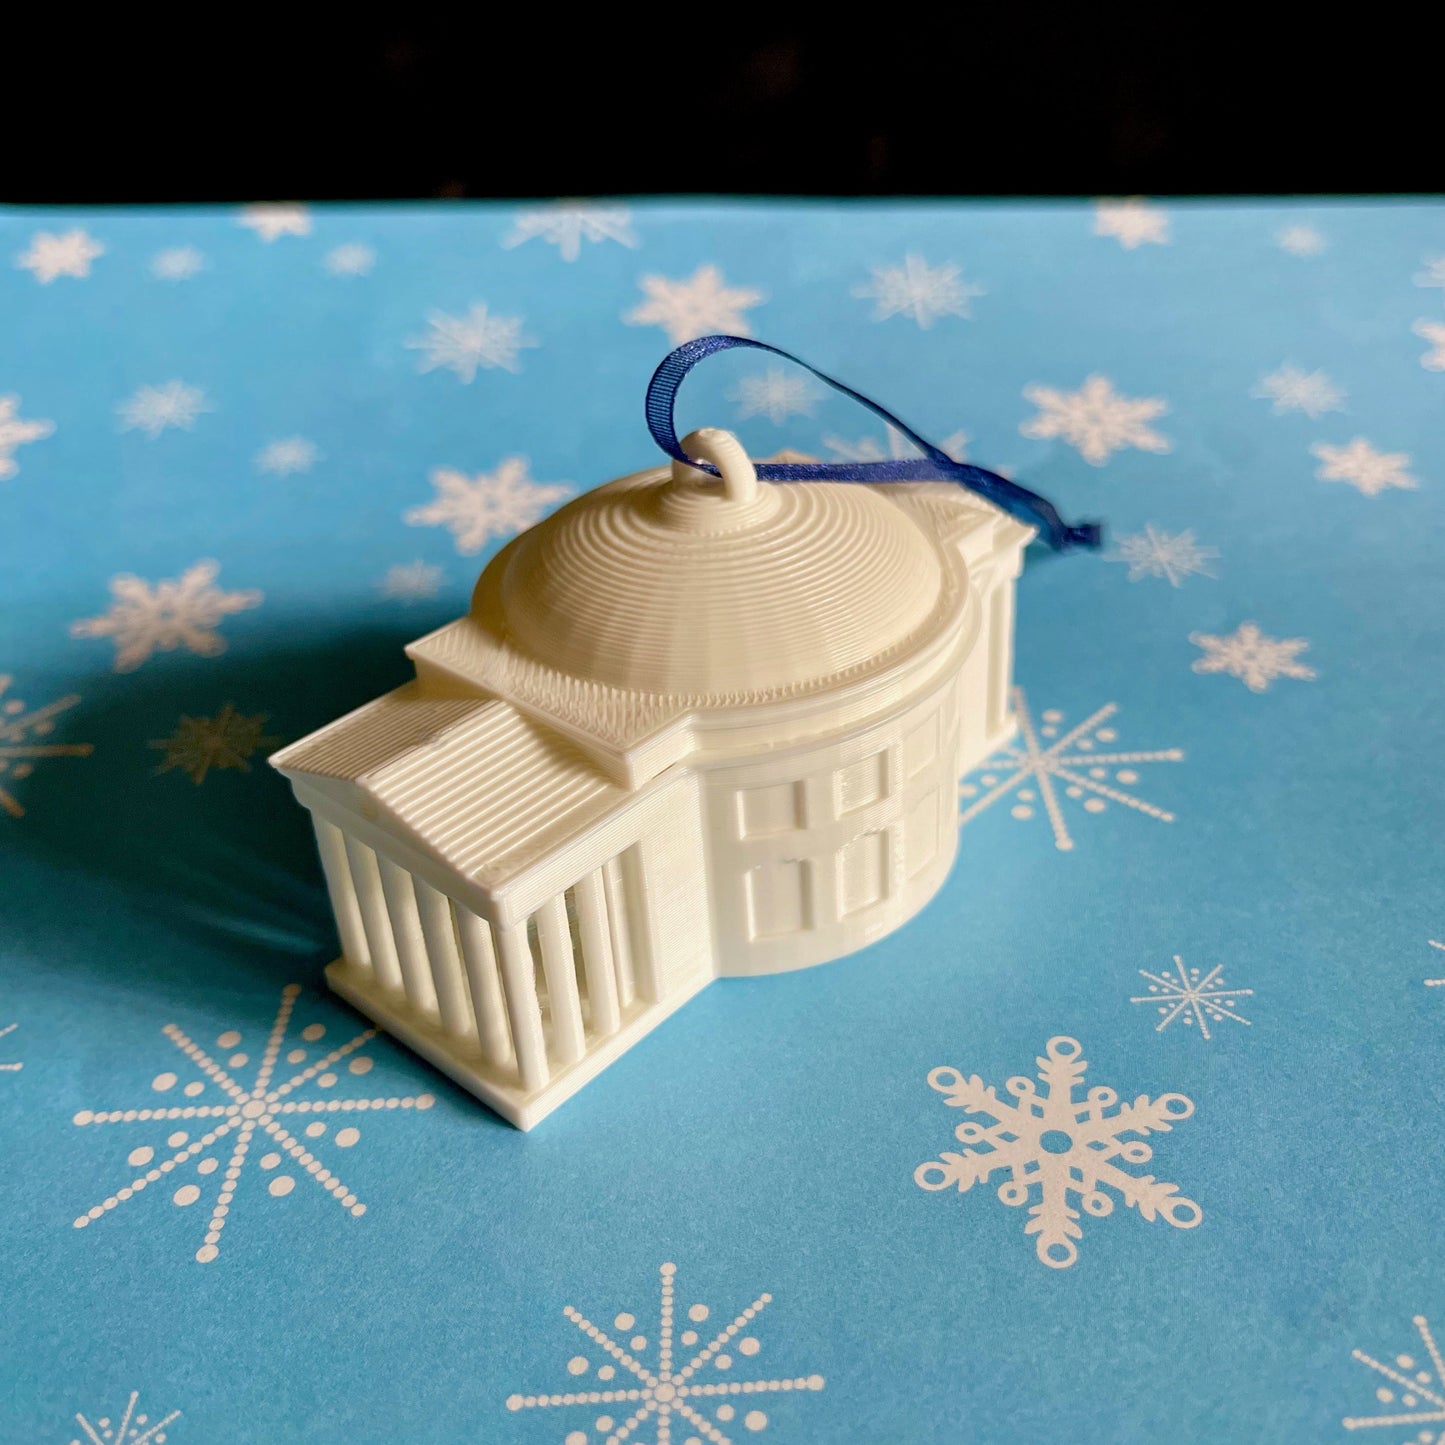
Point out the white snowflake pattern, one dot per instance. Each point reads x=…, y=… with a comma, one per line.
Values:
x=351, y=259
x=1156, y=553
x=1193, y=998
x=696, y=1395
x=271, y=220
x=19, y=750
x=1300, y=240
x=290, y=454
x=775, y=394
x=919, y=291
x=223, y=742
x=1046, y=760
x=461, y=344
x=1433, y=273
x=700, y=304
x=177, y=263
x=133, y=1427
x=1434, y=333
x=1435, y=982
x=566, y=227
x=1056, y=1145
x=411, y=581
x=1290, y=389
x=1096, y=419
x=491, y=504
x=1419, y=1394
x=15, y=432
x=8, y=1068
x=52, y=254
x=1256, y=659
x=183, y=611
x=1132, y=222
x=1368, y=471
x=154, y=408
x=247, y=1111
x=894, y=447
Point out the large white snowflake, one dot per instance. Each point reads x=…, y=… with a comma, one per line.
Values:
x=1053, y=1146
x=351, y=259
x=1133, y=222
x=700, y=304
x=1047, y=761
x=52, y=254
x=183, y=611
x=1434, y=333
x=894, y=447
x=177, y=263
x=1290, y=389
x=1155, y=553
x=132, y=1427
x=1096, y=419
x=694, y=1392
x=1419, y=1394
x=9, y=1068
x=1433, y=273
x=491, y=504
x=290, y=454
x=247, y=1110
x=19, y=750
x=411, y=581
x=461, y=344
x=566, y=227
x=1193, y=998
x=919, y=291
x=154, y=408
x=1368, y=471
x=271, y=220
x=14, y=432
x=225, y=741
x=1300, y=240
x=775, y=394
x=1248, y=654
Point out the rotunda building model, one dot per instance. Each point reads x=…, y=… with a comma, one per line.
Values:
x=691, y=727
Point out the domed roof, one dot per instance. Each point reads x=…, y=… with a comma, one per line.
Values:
x=683, y=585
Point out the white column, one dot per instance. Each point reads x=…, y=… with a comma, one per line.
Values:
x=488, y=1005
x=1001, y=626
x=523, y=1012
x=591, y=896
x=332, y=847
x=617, y=919
x=372, y=905
x=446, y=964
x=406, y=929
x=568, y=1042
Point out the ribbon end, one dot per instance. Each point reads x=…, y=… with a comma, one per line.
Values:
x=1085, y=536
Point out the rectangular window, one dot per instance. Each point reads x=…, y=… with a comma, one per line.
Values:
x=775, y=809
x=920, y=834
x=863, y=872
x=777, y=899
x=920, y=747
x=862, y=783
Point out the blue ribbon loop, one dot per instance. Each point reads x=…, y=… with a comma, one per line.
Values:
x=933, y=465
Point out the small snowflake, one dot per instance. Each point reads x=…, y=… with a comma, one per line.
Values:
x=179, y=263
x=291, y=454
x=702, y=303
x=66, y=254
x=1132, y=223
x=1192, y=998
x=1059, y=1146
x=352, y=259
x=1435, y=982
x=224, y=741
x=16, y=433
x=696, y=1396
x=183, y=611
x=775, y=394
x=1419, y=1396
x=18, y=749
x=1291, y=389
x=1043, y=763
x=919, y=291
x=132, y=1428
x=491, y=504
x=1300, y=240
x=894, y=447
x=411, y=581
x=1368, y=471
x=1434, y=333
x=9, y=1068
x=566, y=227
x=1252, y=657
x=1096, y=419
x=270, y=220
x=1433, y=274
x=1153, y=553
x=154, y=408
x=461, y=344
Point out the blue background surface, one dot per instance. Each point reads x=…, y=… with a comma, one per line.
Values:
x=765, y=1138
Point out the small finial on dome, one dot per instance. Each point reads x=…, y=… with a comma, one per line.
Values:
x=728, y=455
